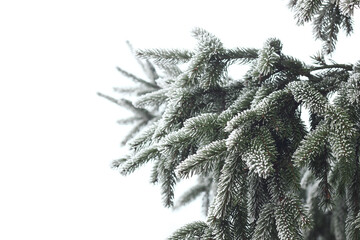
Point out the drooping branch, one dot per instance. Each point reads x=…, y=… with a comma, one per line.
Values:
x=347, y=67
x=127, y=104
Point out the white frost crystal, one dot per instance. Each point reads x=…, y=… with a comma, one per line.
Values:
x=258, y=162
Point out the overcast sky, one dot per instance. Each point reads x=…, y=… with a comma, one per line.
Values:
x=58, y=137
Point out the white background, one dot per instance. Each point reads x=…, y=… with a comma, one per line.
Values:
x=58, y=138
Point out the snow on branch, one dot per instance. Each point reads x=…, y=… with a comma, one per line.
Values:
x=202, y=161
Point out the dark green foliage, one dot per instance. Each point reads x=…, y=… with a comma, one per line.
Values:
x=261, y=174
x=195, y=230
x=328, y=18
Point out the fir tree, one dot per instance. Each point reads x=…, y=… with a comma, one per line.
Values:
x=261, y=172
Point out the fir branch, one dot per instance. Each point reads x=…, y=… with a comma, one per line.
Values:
x=128, y=105
x=258, y=195
x=326, y=202
x=167, y=179
x=353, y=196
x=244, y=136
x=162, y=56
x=213, y=76
x=239, y=55
x=150, y=71
x=201, y=162
x=307, y=10
x=225, y=191
x=128, y=90
x=222, y=229
x=342, y=134
x=195, y=230
x=347, y=24
x=204, y=70
x=238, y=217
x=155, y=98
x=239, y=139
x=347, y=67
x=332, y=80
x=312, y=146
x=320, y=166
x=176, y=143
x=147, y=67
x=259, y=111
x=178, y=137
x=347, y=7
x=264, y=225
x=133, y=91
x=262, y=154
x=207, y=40
x=290, y=218
x=268, y=57
x=129, y=120
x=242, y=103
x=319, y=59
x=326, y=25
x=154, y=177
x=144, y=138
x=203, y=126
x=178, y=109
x=167, y=188
x=327, y=17
x=262, y=92
x=136, y=79
x=171, y=70
x=304, y=93
x=117, y=163
x=142, y=157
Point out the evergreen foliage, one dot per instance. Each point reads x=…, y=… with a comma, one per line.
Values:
x=262, y=174
x=328, y=18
